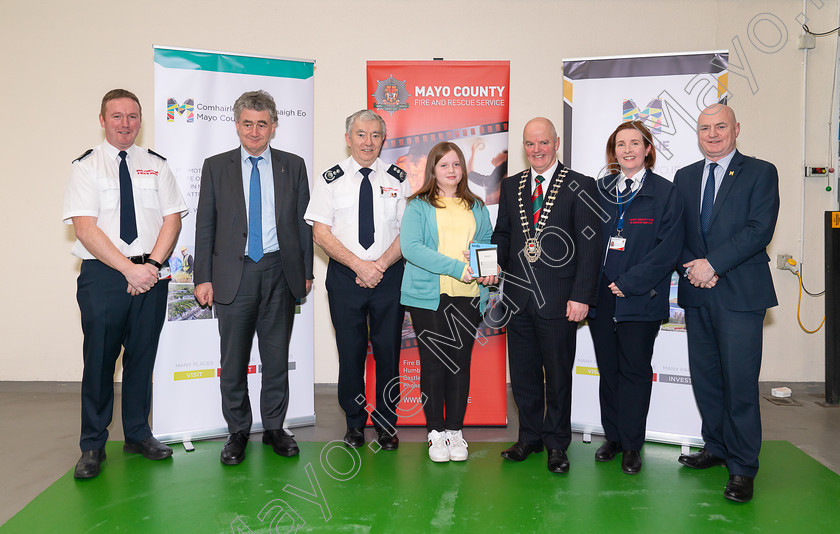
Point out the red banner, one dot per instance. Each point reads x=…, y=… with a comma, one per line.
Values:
x=466, y=103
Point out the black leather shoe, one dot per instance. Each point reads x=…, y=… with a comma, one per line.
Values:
x=631, y=462
x=150, y=448
x=234, y=450
x=282, y=442
x=739, y=488
x=354, y=437
x=387, y=439
x=558, y=462
x=519, y=451
x=607, y=451
x=701, y=459
x=88, y=464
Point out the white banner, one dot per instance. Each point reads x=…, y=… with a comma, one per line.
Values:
x=194, y=95
x=667, y=93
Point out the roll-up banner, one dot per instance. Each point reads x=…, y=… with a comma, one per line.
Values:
x=466, y=103
x=667, y=93
x=194, y=95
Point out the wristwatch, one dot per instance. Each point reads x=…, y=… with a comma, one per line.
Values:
x=155, y=263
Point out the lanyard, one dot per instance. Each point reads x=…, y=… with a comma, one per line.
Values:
x=622, y=206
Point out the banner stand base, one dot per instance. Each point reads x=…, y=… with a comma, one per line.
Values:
x=654, y=436
x=221, y=432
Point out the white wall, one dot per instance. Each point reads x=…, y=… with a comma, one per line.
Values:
x=59, y=58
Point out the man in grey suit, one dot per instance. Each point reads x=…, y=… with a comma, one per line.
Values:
x=253, y=258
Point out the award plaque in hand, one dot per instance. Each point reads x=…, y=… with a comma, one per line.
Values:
x=483, y=259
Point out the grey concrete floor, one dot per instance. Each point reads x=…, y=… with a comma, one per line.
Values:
x=39, y=427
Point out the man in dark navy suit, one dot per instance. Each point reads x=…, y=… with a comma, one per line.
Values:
x=731, y=203
x=549, y=249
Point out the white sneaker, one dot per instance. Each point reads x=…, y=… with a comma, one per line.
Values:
x=457, y=446
x=438, y=451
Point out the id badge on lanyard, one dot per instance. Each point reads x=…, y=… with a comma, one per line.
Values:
x=618, y=242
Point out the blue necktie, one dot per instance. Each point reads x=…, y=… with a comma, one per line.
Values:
x=128, y=220
x=255, y=240
x=708, y=200
x=366, y=209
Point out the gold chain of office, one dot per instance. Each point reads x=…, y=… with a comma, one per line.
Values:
x=532, y=244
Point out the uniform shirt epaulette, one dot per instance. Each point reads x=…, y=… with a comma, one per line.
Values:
x=152, y=152
x=83, y=156
x=333, y=174
x=397, y=173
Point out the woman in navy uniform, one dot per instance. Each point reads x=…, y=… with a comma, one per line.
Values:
x=642, y=239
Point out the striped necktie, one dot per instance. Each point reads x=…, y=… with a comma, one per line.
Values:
x=537, y=198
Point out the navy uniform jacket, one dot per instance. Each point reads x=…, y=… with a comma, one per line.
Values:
x=653, y=227
x=743, y=221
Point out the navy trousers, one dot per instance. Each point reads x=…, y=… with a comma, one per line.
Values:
x=724, y=357
x=113, y=319
x=359, y=314
x=623, y=351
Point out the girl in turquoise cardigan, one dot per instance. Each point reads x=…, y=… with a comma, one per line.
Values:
x=439, y=290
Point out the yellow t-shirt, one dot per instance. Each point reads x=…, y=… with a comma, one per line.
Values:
x=456, y=228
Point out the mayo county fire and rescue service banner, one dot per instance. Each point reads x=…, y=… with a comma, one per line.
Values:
x=667, y=93
x=194, y=95
x=466, y=103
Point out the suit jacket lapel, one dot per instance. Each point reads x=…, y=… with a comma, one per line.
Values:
x=279, y=183
x=529, y=190
x=235, y=171
x=726, y=184
x=694, y=187
x=548, y=186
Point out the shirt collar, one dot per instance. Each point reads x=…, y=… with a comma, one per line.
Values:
x=548, y=174
x=114, y=152
x=244, y=155
x=723, y=162
x=637, y=180
x=355, y=166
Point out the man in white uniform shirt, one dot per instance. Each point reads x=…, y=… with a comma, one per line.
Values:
x=355, y=211
x=126, y=210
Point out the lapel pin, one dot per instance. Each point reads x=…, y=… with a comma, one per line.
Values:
x=731, y=173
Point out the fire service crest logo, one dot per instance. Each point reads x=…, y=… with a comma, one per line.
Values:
x=391, y=95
